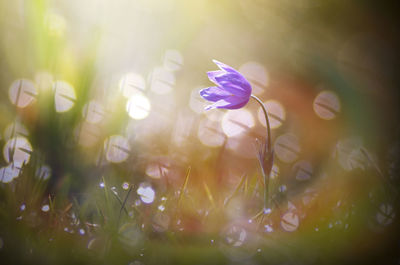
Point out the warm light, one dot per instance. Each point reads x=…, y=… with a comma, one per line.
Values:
x=156, y=170
x=131, y=84
x=210, y=133
x=197, y=103
x=117, y=148
x=93, y=112
x=257, y=75
x=303, y=170
x=87, y=134
x=290, y=221
x=56, y=24
x=146, y=193
x=64, y=95
x=138, y=106
x=43, y=81
x=276, y=114
x=22, y=92
x=326, y=105
x=15, y=129
x=8, y=173
x=287, y=147
x=236, y=122
x=162, y=81
x=19, y=148
x=173, y=60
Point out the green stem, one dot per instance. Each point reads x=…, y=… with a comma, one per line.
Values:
x=266, y=121
x=266, y=178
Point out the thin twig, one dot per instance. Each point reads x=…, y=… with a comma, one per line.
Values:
x=182, y=191
x=123, y=204
x=242, y=180
x=209, y=195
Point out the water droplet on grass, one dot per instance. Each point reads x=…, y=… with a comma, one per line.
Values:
x=45, y=208
x=268, y=228
x=114, y=190
x=125, y=185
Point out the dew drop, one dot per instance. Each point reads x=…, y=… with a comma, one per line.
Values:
x=45, y=208
x=114, y=190
x=268, y=228
x=125, y=185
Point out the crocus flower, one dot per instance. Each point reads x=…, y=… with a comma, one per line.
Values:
x=232, y=90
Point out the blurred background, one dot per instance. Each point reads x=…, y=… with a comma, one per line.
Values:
x=108, y=155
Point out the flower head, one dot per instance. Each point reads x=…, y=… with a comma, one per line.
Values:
x=233, y=91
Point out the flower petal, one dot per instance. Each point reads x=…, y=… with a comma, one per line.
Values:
x=232, y=102
x=214, y=93
x=225, y=67
x=234, y=83
x=213, y=74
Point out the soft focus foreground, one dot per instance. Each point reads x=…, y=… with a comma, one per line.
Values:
x=109, y=157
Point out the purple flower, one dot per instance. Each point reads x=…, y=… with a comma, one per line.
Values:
x=232, y=91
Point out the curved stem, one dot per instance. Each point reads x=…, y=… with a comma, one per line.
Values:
x=266, y=121
x=266, y=178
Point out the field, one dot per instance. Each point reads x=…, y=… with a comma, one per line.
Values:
x=199, y=132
